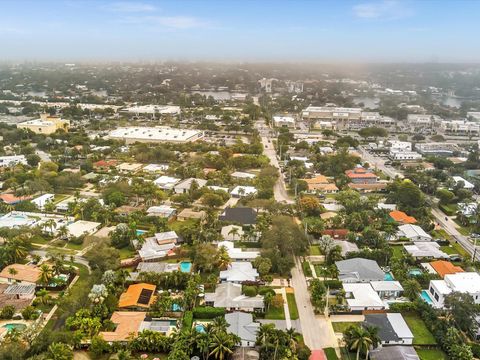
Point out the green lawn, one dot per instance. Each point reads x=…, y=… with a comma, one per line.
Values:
x=441, y=233
x=455, y=248
x=306, y=269
x=330, y=353
x=292, y=306
x=318, y=269
x=126, y=253
x=275, y=313
x=431, y=354
x=341, y=327
x=315, y=250
x=397, y=251
x=421, y=335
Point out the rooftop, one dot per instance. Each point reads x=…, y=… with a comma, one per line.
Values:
x=155, y=134
x=445, y=268
x=138, y=295
x=22, y=272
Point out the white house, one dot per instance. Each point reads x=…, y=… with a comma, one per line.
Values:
x=166, y=182
x=464, y=282
x=466, y=184
x=43, y=200
x=184, y=186
x=362, y=297
x=12, y=160
x=425, y=250
x=237, y=254
x=82, y=227
x=240, y=191
x=284, y=121
x=413, y=233
x=239, y=272
x=232, y=232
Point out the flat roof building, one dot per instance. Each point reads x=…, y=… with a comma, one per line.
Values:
x=132, y=135
x=45, y=125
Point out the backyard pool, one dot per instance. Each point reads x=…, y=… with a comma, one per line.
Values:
x=200, y=328
x=140, y=232
x=185, y=266
x=176, y=307
x=426, y=297
x=388, y=277
x=415, y=272
x=18, y=327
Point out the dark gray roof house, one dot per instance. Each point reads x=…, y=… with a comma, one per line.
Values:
x=359, y=270
x=392, y=328
x=240, y=215
x=396, y=352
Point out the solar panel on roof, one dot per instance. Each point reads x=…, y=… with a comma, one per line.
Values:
x=145, y=296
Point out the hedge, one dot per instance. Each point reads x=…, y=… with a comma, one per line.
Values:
x=207, y=312
x=333, y=284
x=187, y=320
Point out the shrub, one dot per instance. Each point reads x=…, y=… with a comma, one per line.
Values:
x=265, y=290
x=250, y=291
x=7, y=312
x=99, y=346
x=29, y=313
x=333, y=284
x=207, y=312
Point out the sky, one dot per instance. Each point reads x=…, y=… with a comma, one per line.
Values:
x=241, y=30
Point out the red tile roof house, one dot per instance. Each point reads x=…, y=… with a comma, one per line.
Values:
x=104, y=165
x=11, y=199
x=337, y=234
x=360, y=175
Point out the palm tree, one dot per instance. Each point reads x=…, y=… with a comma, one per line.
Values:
x=234, y=232
x=12, y=271
x=124, y=355
x=219, y=324
x=223, y=258
x=45, y=274
x=203, y=345
x=264, y=333
x=50, y=224
x=222, y=345
x=43, y=296
x=267, y=299
x=292, y=338
x=359, y=340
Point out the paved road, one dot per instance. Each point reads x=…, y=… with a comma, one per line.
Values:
x=449, y=226
x=379, y=163
x=77, y=258
x=279, y=191
x=316, y=329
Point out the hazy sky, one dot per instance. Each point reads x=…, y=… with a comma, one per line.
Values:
x=265, y=30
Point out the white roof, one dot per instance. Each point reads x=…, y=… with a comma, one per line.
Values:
x=399, y=325
x=226, y=232
x=386, y=285
x=465, y=282
x=215, y=188
x=412, y=231
x=247, y=190
x=238, y=253
x=152, y=250
x=154, y=133
x=166, y=182
x=156, y=167
x=42, y=199
x=387, y=206
x=81, y=227
x=239, y=271
x=167, y=235
x=441, y=286
x=288, y=119
x=243, y=175
x=151, y=109
x=161, y=209
x=364, y=295
x=467, y=184
x=187, y=183
x=425, y=249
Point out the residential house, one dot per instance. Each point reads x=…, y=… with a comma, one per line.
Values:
x=232, y=232
x=43, y=200
x=82, y=228
x=188, y=213
x=184, y=186
x=239, y=272
x=242, y=191
x=229, y=296
x=336, y=234
x=466, y=184
x=104, y=165
x=17, y=295
x=387, y=289
x=138, y=296
x=12, y=160
x=129, y=168
x=20, y=274
x=162, y=211
x=392, y=328
x=359, y=270
x=360, y=175
x=240, y=215
x=413, y=233
x=443, y=268
x=321, y=184
x=158, y=246
x=401, y=217
x=165, y=182
x=242, y=325
x=362, y=297
x=425, y=250
x=464, y=282
x=395, y=352
x=155, y=168
x=11, y=199
x=238, y=254
x=243, y=175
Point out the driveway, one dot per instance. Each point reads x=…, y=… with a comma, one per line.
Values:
x=316, y=329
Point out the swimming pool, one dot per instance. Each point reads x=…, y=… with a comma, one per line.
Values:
x=18, y=327
x=415, y=272
x=185, y=266
x=388, y=277
x=426, y=297
x=140, y=232
x=200, y=328
x=176, y=307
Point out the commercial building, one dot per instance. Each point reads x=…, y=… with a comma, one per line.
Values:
x=45, y=125
x=397, y=155
x=284, y=121
x=460, y=127
x=423, y=120
x=152, y=109
x=437, y=148
x=464, y=282
x=340, y=115
x=132, y=135
x=6, y=161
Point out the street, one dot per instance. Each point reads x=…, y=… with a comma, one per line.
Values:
x=280, y=193
x=317, y=330
x=379, y=163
